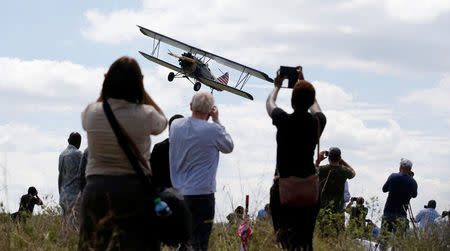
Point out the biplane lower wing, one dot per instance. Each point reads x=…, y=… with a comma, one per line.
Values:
x=160, y=62
x=219, y=86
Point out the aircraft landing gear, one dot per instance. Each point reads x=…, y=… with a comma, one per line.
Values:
x=171, y=76
x=197, y=86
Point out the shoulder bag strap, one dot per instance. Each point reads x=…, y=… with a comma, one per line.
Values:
x=126, y=143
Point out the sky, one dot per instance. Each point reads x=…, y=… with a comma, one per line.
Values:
x=381, y=69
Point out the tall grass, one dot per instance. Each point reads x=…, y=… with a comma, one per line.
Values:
x=45, y=231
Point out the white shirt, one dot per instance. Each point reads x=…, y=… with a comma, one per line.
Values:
x=105, y=155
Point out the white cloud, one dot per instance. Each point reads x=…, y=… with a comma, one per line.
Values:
x=435, y=97
x=18, y=137
x=416, y=11
x=47, y=78
x=363, y=35
x=123, y=31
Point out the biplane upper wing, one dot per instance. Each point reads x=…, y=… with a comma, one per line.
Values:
x=192, y=49
x=216, y=85
x=160, y=62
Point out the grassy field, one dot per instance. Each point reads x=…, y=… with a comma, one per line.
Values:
x=45, y=232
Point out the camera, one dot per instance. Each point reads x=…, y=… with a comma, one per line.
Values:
x=325, y=154
x=353, y=198
x=292, y=74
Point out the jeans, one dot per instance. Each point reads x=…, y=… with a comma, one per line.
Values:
x=202, y=211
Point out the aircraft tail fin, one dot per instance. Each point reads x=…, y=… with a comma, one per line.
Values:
x=224, y=78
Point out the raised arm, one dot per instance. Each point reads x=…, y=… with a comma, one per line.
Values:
x=348, y=208
x=224, y=142
x=270, y=103
x=39, y=202
x=315, y=108
x=149, y=101
x=321, y=157
x=349, y=167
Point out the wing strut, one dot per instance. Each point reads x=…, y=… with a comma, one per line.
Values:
x=242, y=79
x=155, y=47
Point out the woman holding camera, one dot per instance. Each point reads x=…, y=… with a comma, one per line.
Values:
x=297, y=136
x=112, y=206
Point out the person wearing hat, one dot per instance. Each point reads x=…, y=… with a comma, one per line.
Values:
x=332, y=178
x=427, y=215
x=401, y=187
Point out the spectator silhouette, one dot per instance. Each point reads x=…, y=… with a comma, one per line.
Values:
x=237, y=216
x=401, y=187
x=194, y=156
x=68, y=180
x=159, y=160
x=27, y=203
x=427, y=216
x=113, y=207
x=83, y=164
x=297, y=136
x=357, y=213
x=332, y=178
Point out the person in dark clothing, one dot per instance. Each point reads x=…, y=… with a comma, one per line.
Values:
x=83, y=163
x=27, y=203
x=357, y=213
x=401, y=187
x=332, y=178
x=237, y=216
x=159, y=160
x=297, y=136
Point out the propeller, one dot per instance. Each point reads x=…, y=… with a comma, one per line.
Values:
x=183, y=58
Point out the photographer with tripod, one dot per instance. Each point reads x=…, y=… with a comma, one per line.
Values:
x=401, y=187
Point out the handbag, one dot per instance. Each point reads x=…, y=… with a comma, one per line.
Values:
x=172, y=229
x=300, y=192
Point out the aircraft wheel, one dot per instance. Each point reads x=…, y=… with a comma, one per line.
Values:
x=197, y=86
x=171, y=76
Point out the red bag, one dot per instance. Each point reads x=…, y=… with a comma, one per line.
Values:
x=299, y=192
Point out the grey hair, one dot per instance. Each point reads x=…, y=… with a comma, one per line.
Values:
x=202, y=102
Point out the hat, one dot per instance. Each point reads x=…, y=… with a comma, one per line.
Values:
x=431, y=204
x=406, y=163
x=334, y=153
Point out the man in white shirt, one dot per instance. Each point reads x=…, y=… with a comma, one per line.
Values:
x=194, y=150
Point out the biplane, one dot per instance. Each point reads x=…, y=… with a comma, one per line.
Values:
x=193, y=64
